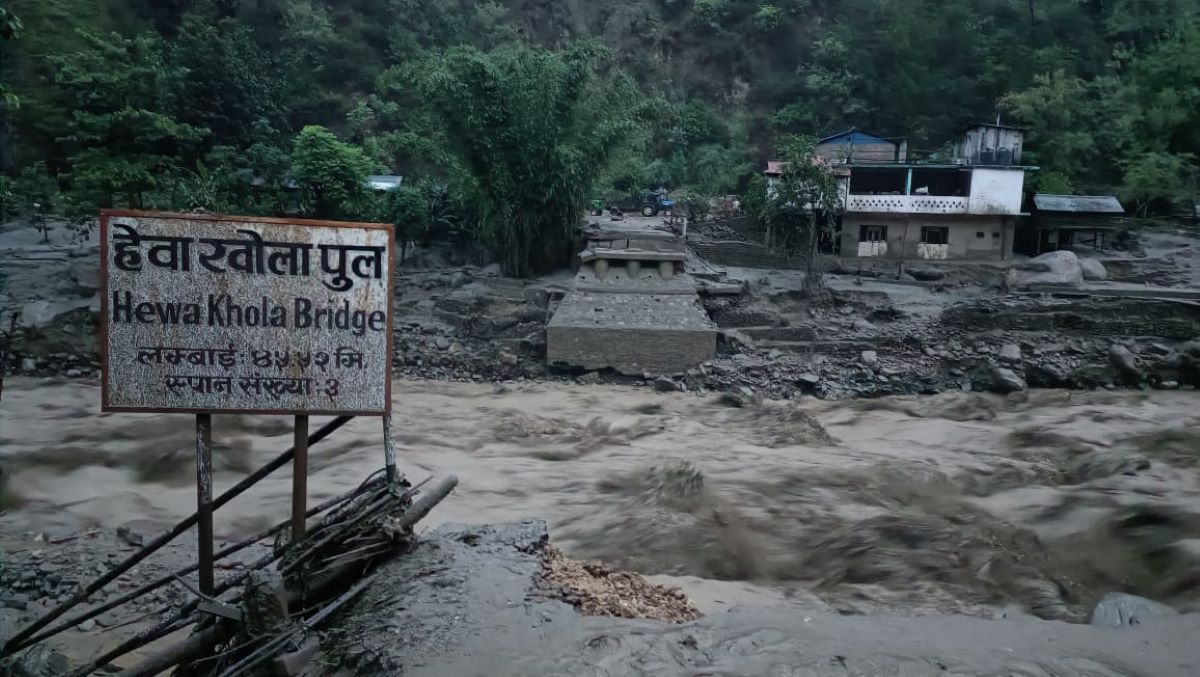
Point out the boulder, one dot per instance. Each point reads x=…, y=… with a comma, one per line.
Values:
x=1093, y=270
x=870, y=358
x=1119, y=610
x=663, y=384
x=1054, y=268
x=1005, y=381
x=926, y=274
x=1125, y=362
x=861, y=324
x=1011, y=352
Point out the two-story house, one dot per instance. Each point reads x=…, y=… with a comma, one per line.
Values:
x=964, y=208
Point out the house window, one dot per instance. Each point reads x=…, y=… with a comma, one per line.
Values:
x=995, y=236
x=980, y=234
x=935, y=235
x=872, y=233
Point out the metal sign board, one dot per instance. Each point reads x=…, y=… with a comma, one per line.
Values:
x=223, y=314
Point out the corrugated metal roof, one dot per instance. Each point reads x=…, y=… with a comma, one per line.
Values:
x=854, y=135
x=1090, y=204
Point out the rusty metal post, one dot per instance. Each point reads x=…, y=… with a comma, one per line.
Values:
x=389, y=447
x=204, y=501
x=300, y=478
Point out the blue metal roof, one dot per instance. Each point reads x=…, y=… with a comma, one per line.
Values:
x=855, y=136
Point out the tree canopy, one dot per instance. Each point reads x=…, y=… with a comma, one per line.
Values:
x=507, y=116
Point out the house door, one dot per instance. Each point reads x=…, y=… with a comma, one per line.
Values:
x=872, y=240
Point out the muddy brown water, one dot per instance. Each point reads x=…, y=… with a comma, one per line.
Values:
x=961, y=502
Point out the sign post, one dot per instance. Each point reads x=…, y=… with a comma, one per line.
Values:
x=204, y=499
x=206, y=314
x=300, y=477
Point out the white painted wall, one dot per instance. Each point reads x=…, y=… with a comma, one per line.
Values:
x=996, y=191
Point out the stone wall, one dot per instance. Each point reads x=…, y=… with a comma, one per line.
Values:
x=741, y=254
x=1097, y=317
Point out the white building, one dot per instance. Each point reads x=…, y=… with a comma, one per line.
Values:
x=965, y=209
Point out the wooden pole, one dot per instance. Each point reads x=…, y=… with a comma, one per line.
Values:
x=204, y=501
x=389, y=448
x=300, y=478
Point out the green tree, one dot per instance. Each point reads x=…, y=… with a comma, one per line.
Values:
x=801, y=208
x=227, y=78
x=332, y=175
x=532, y=129
x=125, y=139
x=1151, y=176
x=10, y=29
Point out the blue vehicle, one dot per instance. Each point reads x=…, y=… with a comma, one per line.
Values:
x=654, y=203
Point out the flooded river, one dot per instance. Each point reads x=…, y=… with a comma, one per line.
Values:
x=961, y=502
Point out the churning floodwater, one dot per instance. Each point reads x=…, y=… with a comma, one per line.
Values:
x=956, y=502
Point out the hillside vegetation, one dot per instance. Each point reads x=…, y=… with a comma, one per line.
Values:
x=506, y=117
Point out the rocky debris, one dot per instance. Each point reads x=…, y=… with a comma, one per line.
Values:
x=863, y=325
x=596, y=590
x=720, y=233
x=1006, y=381
x=1119, y=610
x=36, y=661
x=1092, y=269
x=1054, y=268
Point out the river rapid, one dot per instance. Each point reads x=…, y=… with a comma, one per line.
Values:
x=1038, y=503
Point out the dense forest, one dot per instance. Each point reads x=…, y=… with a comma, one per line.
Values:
x=506, y=117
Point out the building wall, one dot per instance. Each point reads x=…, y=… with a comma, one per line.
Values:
x=963, y=240
x=859, y=152
x=996, y=191
x=976, y=139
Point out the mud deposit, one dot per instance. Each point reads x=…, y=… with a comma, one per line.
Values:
x=961, y=502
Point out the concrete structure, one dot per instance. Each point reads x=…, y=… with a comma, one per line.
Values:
x=633, y=309
x=960, y=211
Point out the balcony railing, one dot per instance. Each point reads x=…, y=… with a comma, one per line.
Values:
x=909, y=204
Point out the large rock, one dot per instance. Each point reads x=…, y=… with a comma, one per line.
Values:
x=1125, y=362
x=1005, y=381
x=1054, y=268
x=925, y=274
x=1119, y=610
x=1093, y=270
x=1010, y=352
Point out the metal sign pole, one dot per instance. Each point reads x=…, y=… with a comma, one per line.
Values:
x=204, y=500
x=300, y=478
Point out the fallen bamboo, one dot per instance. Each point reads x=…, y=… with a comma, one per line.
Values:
x=191, y=648
x=179, y=619
x=21, y=639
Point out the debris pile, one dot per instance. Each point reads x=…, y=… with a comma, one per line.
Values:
x=596, y=590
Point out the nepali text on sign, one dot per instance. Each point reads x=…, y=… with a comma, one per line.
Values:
x=205, y=313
